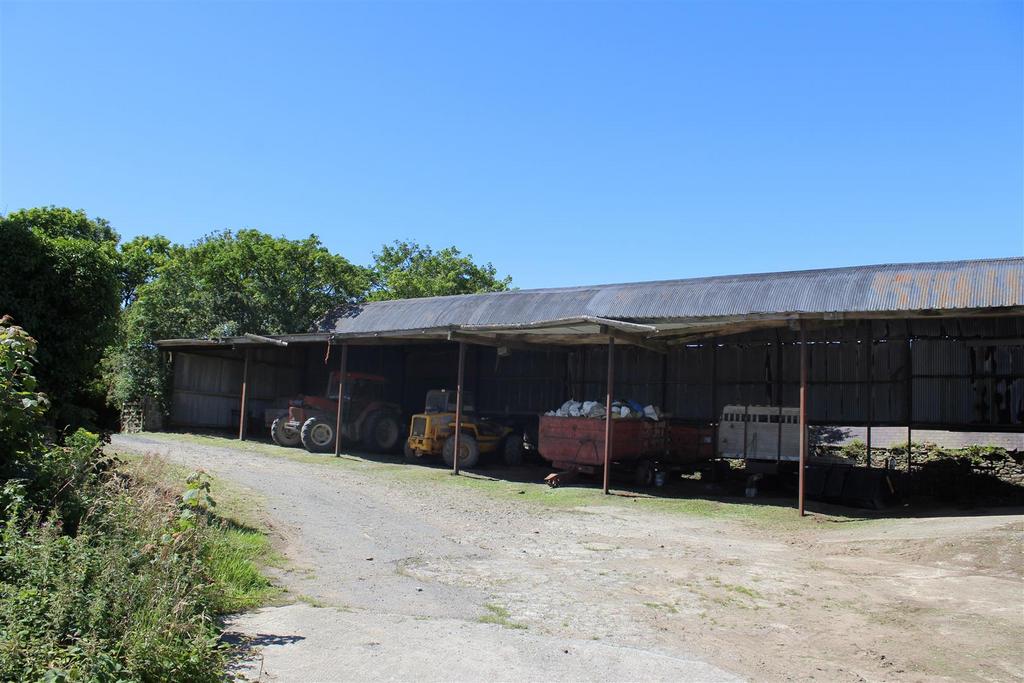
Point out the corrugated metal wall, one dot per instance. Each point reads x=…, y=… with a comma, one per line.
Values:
x=207, y=388
x=967, y=373
x=958, y=378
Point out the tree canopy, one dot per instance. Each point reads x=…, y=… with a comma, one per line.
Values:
x=87, y=297
x=60, y=278
x=407, y=270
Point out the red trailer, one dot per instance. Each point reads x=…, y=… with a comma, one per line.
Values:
x=644, y=447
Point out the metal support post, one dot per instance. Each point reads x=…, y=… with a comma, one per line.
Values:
x=608, y=413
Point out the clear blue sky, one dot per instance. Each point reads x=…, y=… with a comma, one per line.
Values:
x=568, y=143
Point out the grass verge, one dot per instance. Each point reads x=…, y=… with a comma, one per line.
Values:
x=129, y=583
x=236, y=546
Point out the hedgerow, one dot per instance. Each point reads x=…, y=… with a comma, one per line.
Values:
x=105, y=575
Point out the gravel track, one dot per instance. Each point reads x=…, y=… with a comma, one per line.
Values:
x=394, y=578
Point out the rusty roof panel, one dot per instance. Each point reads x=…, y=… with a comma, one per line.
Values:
x=944, y=286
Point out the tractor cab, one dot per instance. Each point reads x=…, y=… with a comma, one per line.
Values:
x=443, y=401
x=369, y=420
x=365, y=386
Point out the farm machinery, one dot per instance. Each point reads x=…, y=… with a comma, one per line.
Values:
x=369, y=421
x=432, y=433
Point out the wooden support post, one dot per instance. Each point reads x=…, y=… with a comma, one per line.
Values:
x=343, y=370
x=716, y=416
x=608, y=413
x=778, y=394
x=910, y=398
x=245, y=397
x=664, y=382
x=803, y=419
x=746, y=428
x=458, y=408
x=871, y=386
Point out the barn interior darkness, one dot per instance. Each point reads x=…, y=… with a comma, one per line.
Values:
x=938, y=373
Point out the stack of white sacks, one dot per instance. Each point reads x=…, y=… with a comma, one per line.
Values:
x=595, y=409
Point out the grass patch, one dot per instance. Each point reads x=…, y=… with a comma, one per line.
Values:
x=742, y=590
x=672, y=609
x=496, y=614
x=236, y=547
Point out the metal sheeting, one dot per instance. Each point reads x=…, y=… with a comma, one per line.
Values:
x=957, y=381
x=207, y=388
x=967, y=373
x=944, y=286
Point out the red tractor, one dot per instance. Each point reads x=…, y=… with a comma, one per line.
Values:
x=369, y=421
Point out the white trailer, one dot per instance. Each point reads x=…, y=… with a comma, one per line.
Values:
x=759, y=433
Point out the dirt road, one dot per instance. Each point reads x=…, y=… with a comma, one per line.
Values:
x=401, y=571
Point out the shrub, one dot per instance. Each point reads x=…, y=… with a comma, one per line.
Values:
x=134, y=595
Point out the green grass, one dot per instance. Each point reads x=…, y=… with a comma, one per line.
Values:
x=533, y=493
x=496, y=614
x=237, y=547
x=672, y=609
x=234, y=558
x=742, y=590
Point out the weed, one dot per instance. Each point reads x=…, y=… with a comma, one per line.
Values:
x=496, y=614
x=662, y=606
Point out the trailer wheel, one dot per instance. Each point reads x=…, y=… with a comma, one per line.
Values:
x=720, y=471
x=512, y=452
x=283, y=435
x=643, y=475
x=381, y=432
x=469, y=451
x=317, y=435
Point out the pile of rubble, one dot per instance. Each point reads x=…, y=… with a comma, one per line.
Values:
x=596, y=409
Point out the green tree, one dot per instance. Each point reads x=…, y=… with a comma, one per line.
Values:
x=60, y=278
x=407, y=270
x=140, y=259
x=224, y=284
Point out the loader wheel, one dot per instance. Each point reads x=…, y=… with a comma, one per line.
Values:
x=317, y=435
x=283, y=435
x=409, y=452
x=469, y=451
x=512, y=453
x=381, y=432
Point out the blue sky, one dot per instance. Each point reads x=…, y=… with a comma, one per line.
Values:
x=568, y=143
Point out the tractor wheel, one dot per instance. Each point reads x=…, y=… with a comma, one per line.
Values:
x=381, y=432
x=283, y=435
x=409, y=452
x=512, y=452
x=643, y=474
x=317, y=435
x=469, y=451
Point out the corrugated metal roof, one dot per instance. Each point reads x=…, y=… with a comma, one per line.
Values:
x=879, y=289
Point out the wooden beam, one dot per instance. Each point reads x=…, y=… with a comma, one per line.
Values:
x=520, y=342
x=341, y=400
x=634, y=339
x=265, y=340
x=608, y=413
x=803, y=421
x=245, y=398
x=458, y=407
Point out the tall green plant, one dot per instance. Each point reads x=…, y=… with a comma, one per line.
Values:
x=21, y=405
x=60, y=278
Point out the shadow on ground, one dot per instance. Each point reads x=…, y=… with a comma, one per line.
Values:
x=778, y=492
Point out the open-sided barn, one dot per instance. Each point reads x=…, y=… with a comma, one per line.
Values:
x=925, y=346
